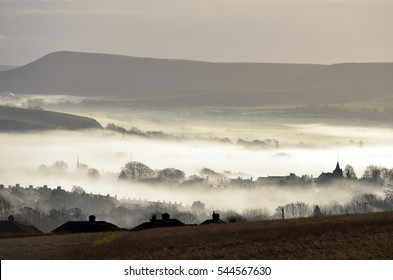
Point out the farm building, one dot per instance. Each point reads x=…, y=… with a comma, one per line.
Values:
x=86, y=226
x=214, y=220
x=166, y=221
x=10, y=227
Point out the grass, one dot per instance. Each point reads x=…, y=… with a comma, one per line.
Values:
x=107, y=239
x=361, y=236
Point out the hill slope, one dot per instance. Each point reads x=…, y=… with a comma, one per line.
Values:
x=19, y=119
x=361, y=236
x=7, y=67
x=192, y=83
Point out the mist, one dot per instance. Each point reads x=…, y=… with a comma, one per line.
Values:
x=30, y=158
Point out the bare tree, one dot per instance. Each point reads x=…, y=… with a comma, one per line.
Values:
x=294, y=210
x=30, y=215
x=77, y=190
x=60, y=165
x=93, y=173
x=372, y=174
x=349, y=172
x=198, y=206
x=76, y=214
x=333, y=208
x=385, y=175
x=389, y=198
x=171, y=174
x=5, y=208
x=135, y=170
x=259, y=214
x=364, y=203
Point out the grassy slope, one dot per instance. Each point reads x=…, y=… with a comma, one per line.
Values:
x=366, y=236
x=19, y=119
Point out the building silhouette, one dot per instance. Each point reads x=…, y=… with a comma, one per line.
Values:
x=86, y=226
x=214, y=220
x=11, y=227
x=328, y=177
x=166, y=221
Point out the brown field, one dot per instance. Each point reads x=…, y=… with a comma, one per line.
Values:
x=361, y=236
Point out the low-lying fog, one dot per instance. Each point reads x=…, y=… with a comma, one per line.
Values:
x=22, y=154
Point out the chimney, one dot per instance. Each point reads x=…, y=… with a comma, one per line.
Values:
x=166, y=217
x=11, y=218
x=92, y=219
x=215, y=217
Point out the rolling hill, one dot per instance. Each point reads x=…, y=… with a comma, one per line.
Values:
x=195, y=83
x=358, y=236
x=19, y=119
x=7, y=67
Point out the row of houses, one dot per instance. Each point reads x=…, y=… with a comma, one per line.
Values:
x=14, y=228
x=291, y=179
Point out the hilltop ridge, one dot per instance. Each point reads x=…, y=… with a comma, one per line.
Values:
x=197, y=83
x=21, y=119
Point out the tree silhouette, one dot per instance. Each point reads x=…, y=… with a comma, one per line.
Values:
x=93, y=173
x=372, y=174
x=317, y=211
x=76, y=214
x=349, y=172
x=364, y=203
x=171, y=174
x=5, y=208
x=294, y=210
x=135, y=170
x=198, y=206
x=60, y=165
x=77, y=190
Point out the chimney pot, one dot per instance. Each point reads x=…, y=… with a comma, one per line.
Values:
x=92, y=219
x=165, y=217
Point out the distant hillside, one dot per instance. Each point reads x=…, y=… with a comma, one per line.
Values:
x=194, y=83
x=18, y=119
x=7, y=67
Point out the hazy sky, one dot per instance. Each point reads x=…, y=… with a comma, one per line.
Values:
x=307, y=31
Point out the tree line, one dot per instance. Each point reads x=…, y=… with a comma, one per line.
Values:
x=138, y=171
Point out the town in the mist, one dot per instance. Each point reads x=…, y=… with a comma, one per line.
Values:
x=125, y=158
x=127, y=175
x=230, y=129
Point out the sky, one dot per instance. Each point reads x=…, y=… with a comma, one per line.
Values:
x=284, y=31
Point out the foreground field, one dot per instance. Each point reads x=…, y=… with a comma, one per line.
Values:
x=366, y=236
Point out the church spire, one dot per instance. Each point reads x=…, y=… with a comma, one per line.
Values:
x=338, y=171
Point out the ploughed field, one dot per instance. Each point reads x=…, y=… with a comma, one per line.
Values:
x=360, y=236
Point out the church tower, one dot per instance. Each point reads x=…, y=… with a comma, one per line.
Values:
x=338, y=172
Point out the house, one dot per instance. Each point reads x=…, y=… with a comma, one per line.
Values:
x=86, y=226
x=291, y=179
x=328, y=177
x=166, y=221
x=10, y=227
x=214, y=220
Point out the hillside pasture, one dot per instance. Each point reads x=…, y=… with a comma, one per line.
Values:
x=360, y=236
